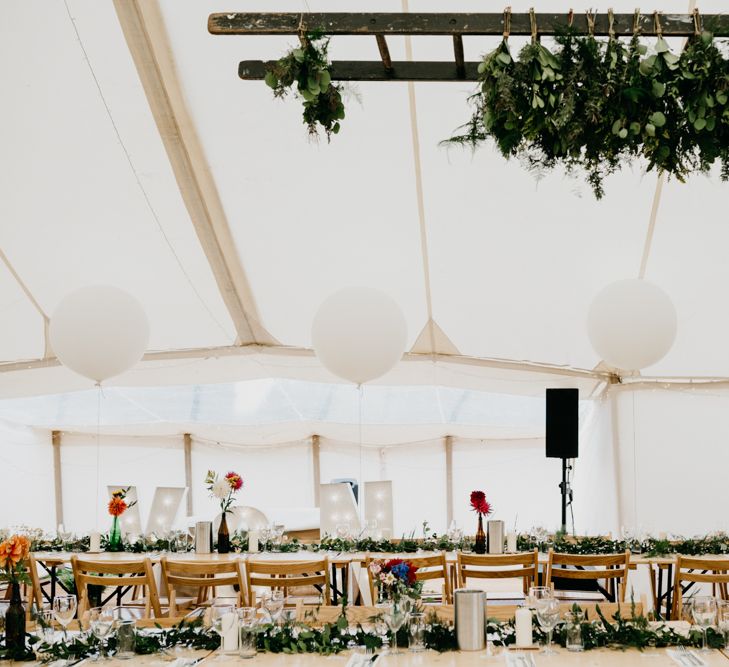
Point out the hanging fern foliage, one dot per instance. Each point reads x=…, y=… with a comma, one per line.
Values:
x=589, y=106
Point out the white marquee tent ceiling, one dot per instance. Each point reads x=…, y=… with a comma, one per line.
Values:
x=505, y=265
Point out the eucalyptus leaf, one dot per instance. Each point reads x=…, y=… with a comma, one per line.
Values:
x=650, y=129
x=700, y=123
x=658, y=119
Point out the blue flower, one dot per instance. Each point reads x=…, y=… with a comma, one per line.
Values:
x=400, y=571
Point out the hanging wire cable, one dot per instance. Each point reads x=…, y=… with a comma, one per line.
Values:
x=138, y=180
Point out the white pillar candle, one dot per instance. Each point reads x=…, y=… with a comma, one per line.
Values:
x=94, y=542
x=252, y=541
x=230, y=633
x=511, y=543
x=523, y=618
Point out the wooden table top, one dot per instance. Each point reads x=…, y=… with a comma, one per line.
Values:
x=60, y=557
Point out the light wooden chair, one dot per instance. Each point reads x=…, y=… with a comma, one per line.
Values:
x=287, y=575
x=35, y=594
x=524, y=566
x=203, y=577
x=612, y=568
x=429, y=568
x=714, y=571
x=127, y=574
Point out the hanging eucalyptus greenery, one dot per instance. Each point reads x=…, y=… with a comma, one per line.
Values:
x=308, y=68
x=592, y=105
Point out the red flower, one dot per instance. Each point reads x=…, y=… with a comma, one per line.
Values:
x=234, y=480
x=411, y=574
x=479, y=504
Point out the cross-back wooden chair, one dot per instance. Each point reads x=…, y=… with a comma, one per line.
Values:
x=524, y=566
x=124, y=574
x=612, y=568
x=429, y=569
x=287, y=575
x=714, y=571
x=35, y=594
x=204, y=577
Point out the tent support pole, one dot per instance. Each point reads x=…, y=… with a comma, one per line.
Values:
x=187, y=446
x=316, y=468
x=449, y=478
x=57, y=478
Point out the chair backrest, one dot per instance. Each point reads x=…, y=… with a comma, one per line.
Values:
x=713, y=571
x=429, y=567
x=36, y=593
x=115, y=573
x=523, y=566
x=201, y=575
x=613, y=568
x=289, y=574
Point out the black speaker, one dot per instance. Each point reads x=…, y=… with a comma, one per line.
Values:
x=562, y=423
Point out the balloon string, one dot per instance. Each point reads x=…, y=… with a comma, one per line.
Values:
x=360, y=390
x=98, y=453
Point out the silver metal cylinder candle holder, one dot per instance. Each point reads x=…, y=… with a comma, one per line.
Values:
x=496, y=537
x=470, y=618
x=203, y=537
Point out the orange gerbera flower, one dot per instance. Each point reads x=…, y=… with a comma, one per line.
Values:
x=117, y=506
x=13, y=551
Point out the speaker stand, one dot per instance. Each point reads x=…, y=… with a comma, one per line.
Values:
x=566, y=491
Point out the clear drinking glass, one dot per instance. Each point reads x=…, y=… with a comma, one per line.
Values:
x=573, y=630
x=45, y=618
x=703, y=609
x=416, y=632
x=101, y=622
x=723, y=619
x=537, y=593
x=548, y=617
x=225, y=622
x=64, y=609
x=126, y=638
x=273, y=603
x=247, y=622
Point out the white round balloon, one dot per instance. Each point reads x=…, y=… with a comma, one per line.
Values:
x=359, y=334
x=99, y=331
x=632, y=324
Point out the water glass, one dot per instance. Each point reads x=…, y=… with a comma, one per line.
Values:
x=126, y=639
x=396, y=613
x=703, y=608
x=64, y=609
x=723, y=619
x=416, y=632
x=45, y=618
x=573, y=631
x=247, y=623
x=537, y=593
x=273, y=603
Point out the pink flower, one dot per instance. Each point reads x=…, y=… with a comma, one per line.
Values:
x=234, y=480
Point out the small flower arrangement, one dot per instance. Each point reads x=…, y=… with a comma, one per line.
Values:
x=223, y=488
x=479, y=503
x=13, y=556
x=395, y=578
x=118, y=504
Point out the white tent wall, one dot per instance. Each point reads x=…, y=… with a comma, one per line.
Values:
x=137, y=461
x=26, y=465
x=673, y=459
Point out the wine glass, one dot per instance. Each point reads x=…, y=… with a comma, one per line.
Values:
x=703, y=609
x=396, y=613
x=224, y=620
x=273, y=603
x=101, y=622
x=548, y=617
x=343, y=531
x=64, y=609
x=265, y=534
